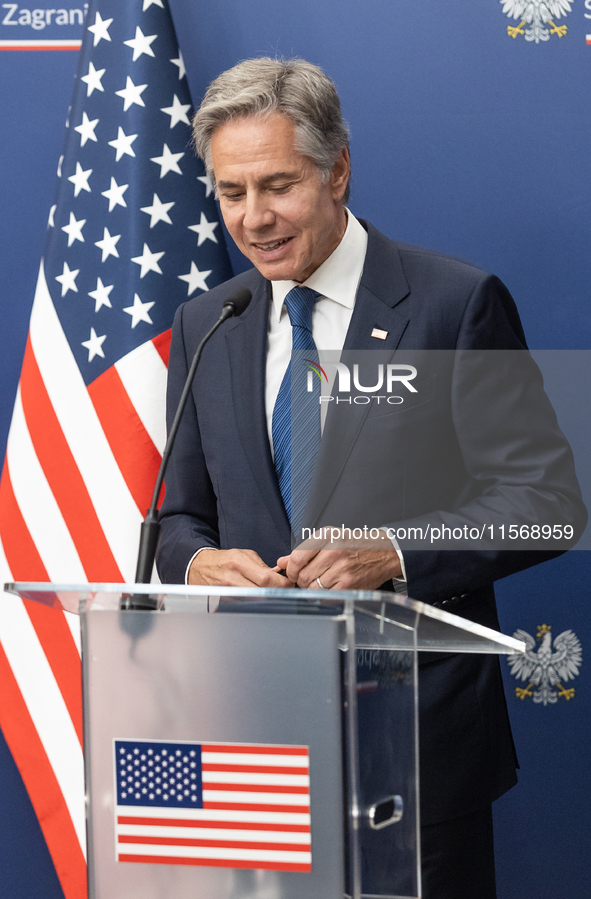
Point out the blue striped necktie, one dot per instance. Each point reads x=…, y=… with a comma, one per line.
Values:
x=296, y=416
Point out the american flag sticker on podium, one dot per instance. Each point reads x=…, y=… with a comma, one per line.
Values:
x=223, y=805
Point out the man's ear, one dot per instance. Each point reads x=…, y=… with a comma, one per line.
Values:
x=339, y=176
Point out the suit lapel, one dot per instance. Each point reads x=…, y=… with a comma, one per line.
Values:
x=383, y=286
x=247, y=349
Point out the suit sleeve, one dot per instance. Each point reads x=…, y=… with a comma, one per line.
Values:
x=520, y=469
x=188, y=486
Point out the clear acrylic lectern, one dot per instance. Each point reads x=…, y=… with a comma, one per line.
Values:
x=254, y=744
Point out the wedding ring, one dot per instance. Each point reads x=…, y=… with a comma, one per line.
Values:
x=320, y=584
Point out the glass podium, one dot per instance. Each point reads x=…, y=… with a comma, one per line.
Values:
x=254, y=744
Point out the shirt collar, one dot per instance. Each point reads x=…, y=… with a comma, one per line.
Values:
x=338, y=277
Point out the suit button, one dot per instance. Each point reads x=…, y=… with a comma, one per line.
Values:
x=437, y=605
x=465, y=595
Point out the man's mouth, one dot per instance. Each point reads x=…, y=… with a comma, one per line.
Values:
x=273, y=245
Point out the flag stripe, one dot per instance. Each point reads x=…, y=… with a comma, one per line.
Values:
x=196, y=852
x=214, y=863
x=20, y=550
x=62, y=655
x=46, y=707
x=234, y=749
x=162, y=344
x=297, y=783
x=212, y=844
x=145, y=814
x=115, y=507
x=137, y=457
x=210, y=787
x=143, y=375
x=33, y=494
x=63, y=476
x=40, y=45
x=204, y=825
x=248, y=806
x=235, y=761
x=40, y=782
x=254, y=769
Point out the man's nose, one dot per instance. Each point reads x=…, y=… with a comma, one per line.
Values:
x=258, y=212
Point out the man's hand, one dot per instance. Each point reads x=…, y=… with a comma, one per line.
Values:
x=234, y=568
x=343, y=564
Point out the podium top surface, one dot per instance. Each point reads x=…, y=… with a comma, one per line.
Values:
x=382, y=619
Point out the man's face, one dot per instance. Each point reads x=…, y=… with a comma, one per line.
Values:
x=276, y=208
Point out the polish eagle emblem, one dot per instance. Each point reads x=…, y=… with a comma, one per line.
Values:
x=547, y=667
x=537, y=18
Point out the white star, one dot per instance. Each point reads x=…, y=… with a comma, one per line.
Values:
x=195, y=279
x=100, y=29
x=148, y=261
x=148, y=3
x=205, y=230
x=80, y=179
x=205, y=179
x=180, y=62
x=101, y=295
x=141, y=43
x=59, y=166
x=86, y=129
x=68, y=279
x=158, y=211
x=139, y=311
x=115, y=194
x=131, y=94
x=74, y=229
x=50, y=221
x=93, y=79
x=177, y=112
x=108, y=244
x=94, y=344
x=123, y=144
x=168, y=162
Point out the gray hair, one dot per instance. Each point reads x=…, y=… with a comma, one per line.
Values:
x=293, y=87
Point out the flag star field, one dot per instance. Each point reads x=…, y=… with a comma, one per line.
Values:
x=134, y=214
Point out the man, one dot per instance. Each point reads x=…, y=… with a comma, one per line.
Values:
x=469, y=444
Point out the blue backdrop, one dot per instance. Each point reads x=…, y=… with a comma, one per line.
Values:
x=465, y=140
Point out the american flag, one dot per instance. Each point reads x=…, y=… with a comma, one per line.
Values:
x=223, y=805
x=133, y=233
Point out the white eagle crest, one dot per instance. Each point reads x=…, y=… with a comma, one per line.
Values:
x=537, y=15
x=545, y=669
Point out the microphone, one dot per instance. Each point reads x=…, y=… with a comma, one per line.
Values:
x=150, y=529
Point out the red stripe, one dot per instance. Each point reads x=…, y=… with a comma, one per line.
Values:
x=255, y=807
x=255, y=750
x=218, y=825
x=63, y=657
x=42, y=786
x=162, y=344
x=217, y=844
x=132, y=446
x=213, y=863
x=253, y=788
x=63, y=475
x=255, y=769
x=21, y=553
x=39, y=48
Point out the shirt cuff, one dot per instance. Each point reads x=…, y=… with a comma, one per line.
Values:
x=194, y=556
x=397, y=581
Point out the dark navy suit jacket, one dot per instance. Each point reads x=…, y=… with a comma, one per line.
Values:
x=478, y=442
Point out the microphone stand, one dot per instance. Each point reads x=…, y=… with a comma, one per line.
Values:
x=150, y=529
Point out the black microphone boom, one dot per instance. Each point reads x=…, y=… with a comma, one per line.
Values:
x=150, y=530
